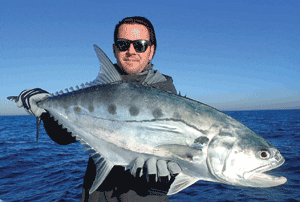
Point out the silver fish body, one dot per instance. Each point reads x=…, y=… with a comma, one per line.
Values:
x=119, y=121
x=123, y=121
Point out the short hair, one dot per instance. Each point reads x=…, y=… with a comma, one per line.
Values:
x=137, y=20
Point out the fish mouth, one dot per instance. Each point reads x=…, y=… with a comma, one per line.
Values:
x=259, y=178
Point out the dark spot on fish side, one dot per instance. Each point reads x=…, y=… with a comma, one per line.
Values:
x=157, y=113
x=91, y=109
x=77, y=109
x=112, y=109
x=134, y=111
x=201, y=140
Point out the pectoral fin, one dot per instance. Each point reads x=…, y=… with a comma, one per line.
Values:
x=182, y=150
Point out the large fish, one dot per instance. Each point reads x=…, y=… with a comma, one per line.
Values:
x=119, y=121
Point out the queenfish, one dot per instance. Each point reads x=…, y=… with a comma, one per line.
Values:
x=119, y=121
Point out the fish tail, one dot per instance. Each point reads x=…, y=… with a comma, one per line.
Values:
x=13, y=98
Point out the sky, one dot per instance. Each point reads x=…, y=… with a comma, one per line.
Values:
x=229, y=54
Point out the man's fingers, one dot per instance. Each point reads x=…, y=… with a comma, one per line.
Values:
x=174, y=168
x=20, y=102
x=151, y=168
x=33, y=103
x=40, y=97
x=137, y=168
x=156, y=169
x=162, y=169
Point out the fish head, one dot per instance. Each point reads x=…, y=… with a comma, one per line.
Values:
x=243, y=160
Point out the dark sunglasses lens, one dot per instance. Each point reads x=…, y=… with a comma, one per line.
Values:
x=140, y=46
x=123, y=45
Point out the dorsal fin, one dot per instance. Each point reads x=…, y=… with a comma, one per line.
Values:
x=108, y=72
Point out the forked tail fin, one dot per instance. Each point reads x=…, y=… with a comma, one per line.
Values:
x=13, y=98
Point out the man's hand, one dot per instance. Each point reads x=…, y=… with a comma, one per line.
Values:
x=29, y=99
x=157, y=170
x=154, y=177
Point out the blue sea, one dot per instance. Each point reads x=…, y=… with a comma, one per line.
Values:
x=46, y=171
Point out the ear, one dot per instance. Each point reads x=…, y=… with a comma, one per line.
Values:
x=114, y=50
x=151, y=52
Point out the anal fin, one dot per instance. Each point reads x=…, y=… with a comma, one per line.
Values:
x=181, y=182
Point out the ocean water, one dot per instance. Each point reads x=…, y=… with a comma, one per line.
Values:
x=46, y=171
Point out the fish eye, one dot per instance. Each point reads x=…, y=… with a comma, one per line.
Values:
x=264, y=154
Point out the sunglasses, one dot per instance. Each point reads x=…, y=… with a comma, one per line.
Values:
x=139, y=45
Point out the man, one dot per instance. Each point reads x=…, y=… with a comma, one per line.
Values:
x=134, y=46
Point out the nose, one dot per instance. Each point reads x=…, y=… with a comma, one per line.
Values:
x=278, y=156
x=131, y=49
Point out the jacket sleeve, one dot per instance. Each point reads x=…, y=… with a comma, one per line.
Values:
x=55, y=131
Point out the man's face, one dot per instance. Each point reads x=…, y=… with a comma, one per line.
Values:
x=131, y=61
